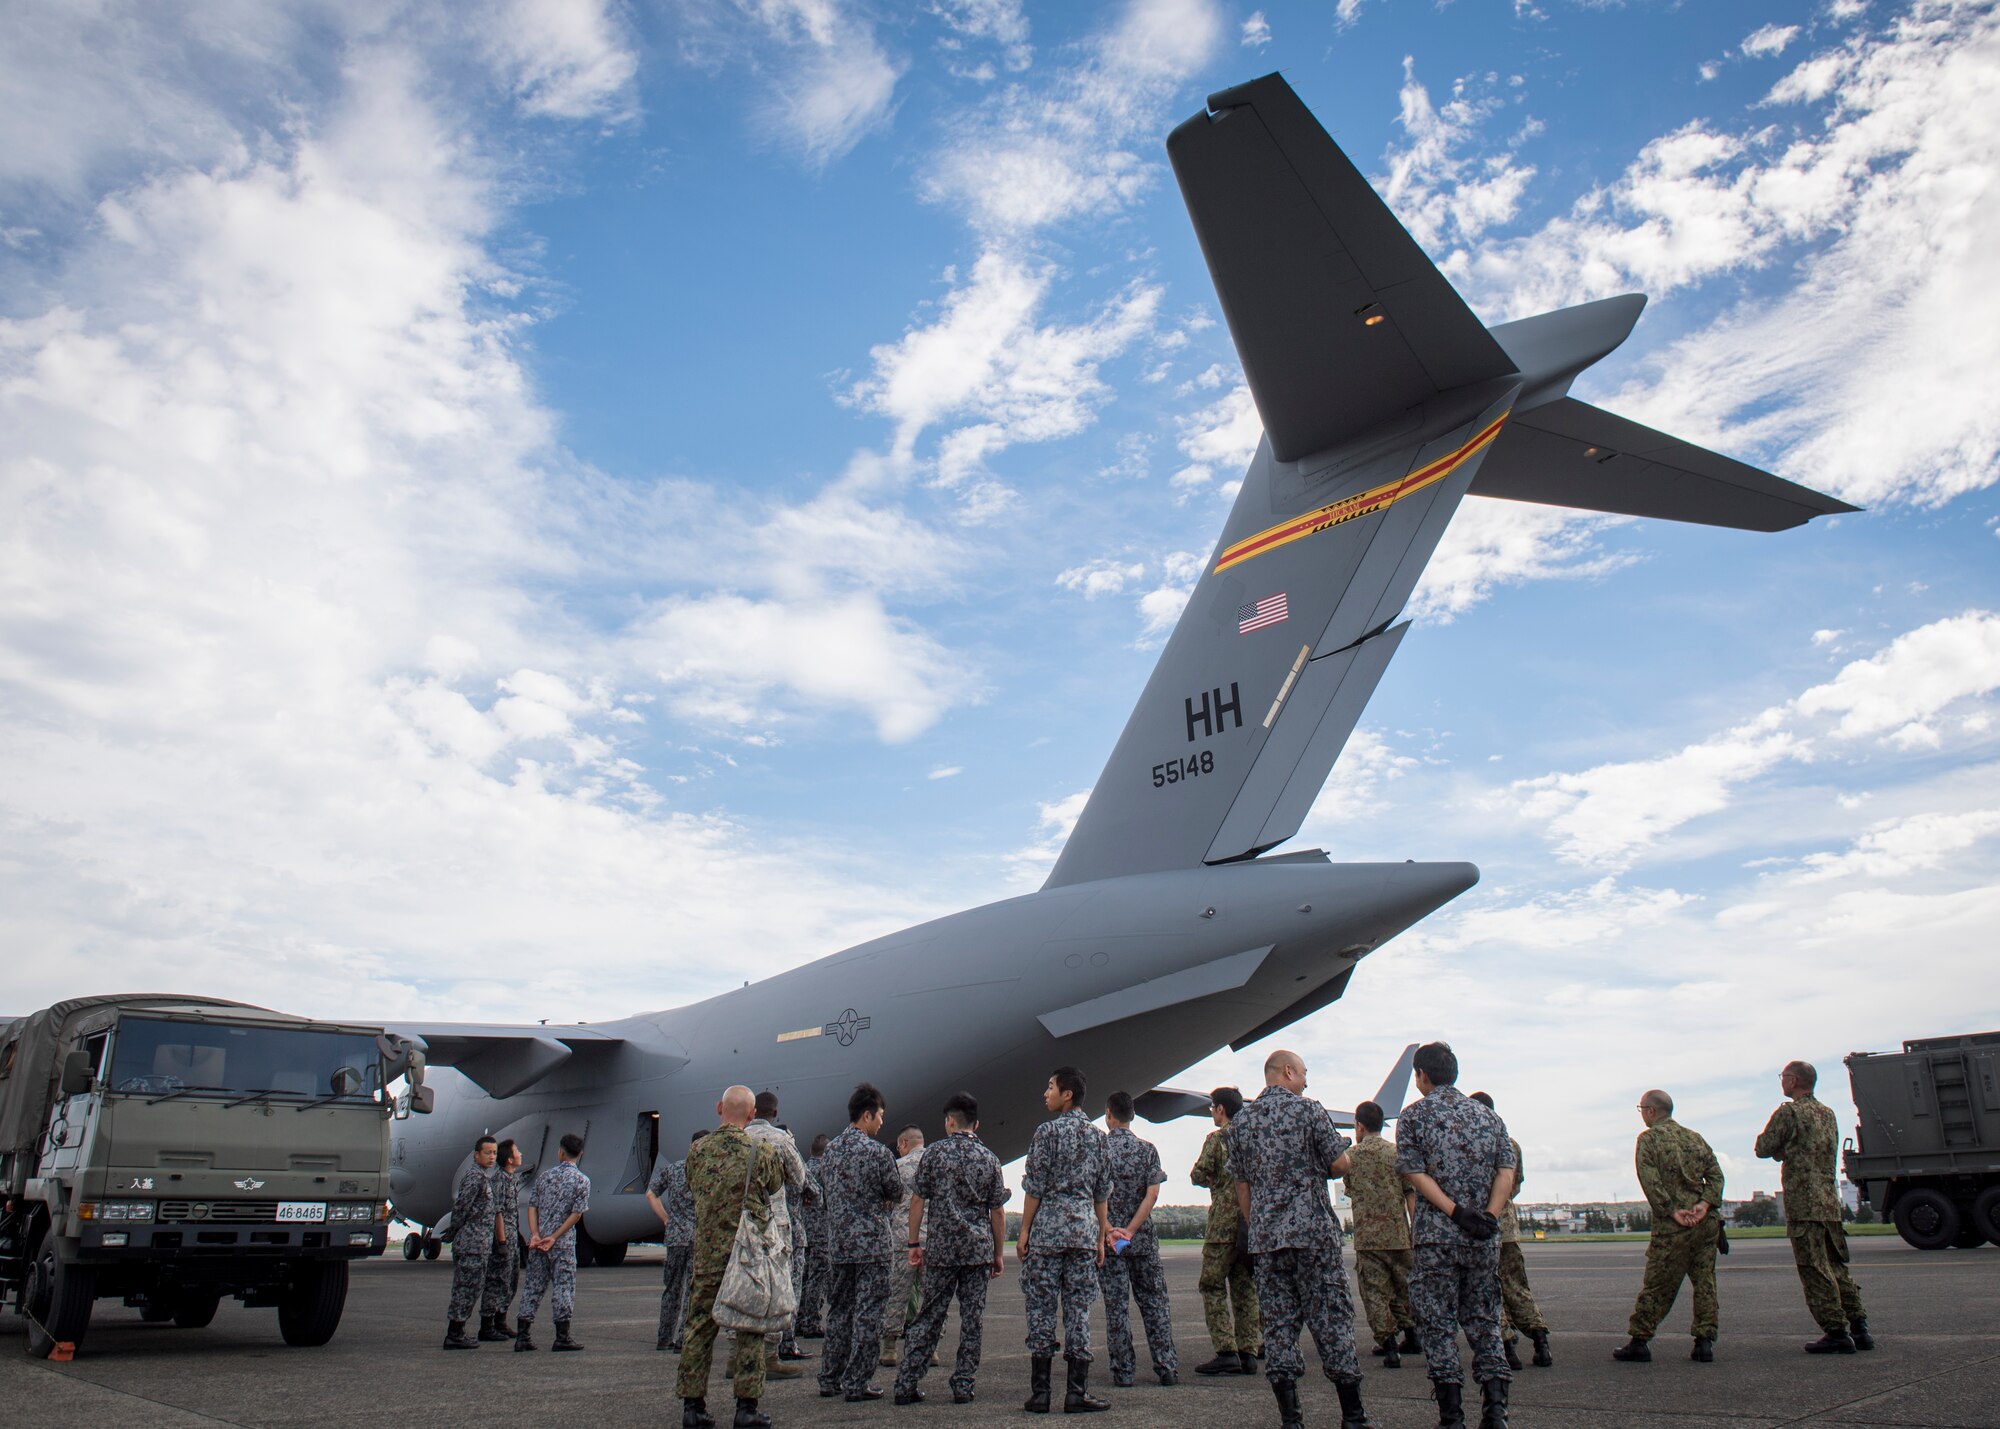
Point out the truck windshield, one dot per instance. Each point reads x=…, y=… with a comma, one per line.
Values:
x=155, y=1057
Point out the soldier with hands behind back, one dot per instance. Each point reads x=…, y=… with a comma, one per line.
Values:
x=1283, y=1149
x=809, y=1324
x=858, y=1178
x=1518, y=1310
x=1065, y=1188
x=1381, y=1237
x=957, y=1238
x=727, y=1173
x=1228, y=1289
x=1456, y=1155
x=668, y=1194
x=1133, y=1272
x=1683, y=1185
x=562, y=1195
x=1804, y=1135
x=471, y=1241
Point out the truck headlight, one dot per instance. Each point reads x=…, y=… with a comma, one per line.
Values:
x=116, y=1211
x=361, y=1238
x=115, y=1239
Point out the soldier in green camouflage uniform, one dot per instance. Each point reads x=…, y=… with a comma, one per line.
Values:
x=1225, y=1281
x=1683, y=1185
x=1805, y=1137
x=1518, y=1308
x=1381, y=1236
x=726, y=1171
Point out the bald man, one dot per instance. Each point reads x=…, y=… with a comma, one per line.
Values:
x=1683, y=1185
x=1283, y=1149
x=725, y=1172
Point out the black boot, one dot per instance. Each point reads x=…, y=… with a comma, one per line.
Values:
x=1225, y=1362
x=1704, y=1350
x=1077, y=1398
x=1246, y=1360
x=1857, y=1331
x=1494, y=1416
x=1392, y=1358
x=1038, y=1385
x=749, y=1416
x=1543, y=1358
x=523, y=1340
x=563, y=1341
x=490, y=1332
x=1352, y=1415
x=912, y=1395
x=695, y=1415
x=1290, y=1416
x=455, y=1337
x=1513, y=1357
x=1411, y=1344
x=1634, y=1351
x=1451, y=1404
x=1833, y=1342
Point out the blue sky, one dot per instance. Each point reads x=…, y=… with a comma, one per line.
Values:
x=549, y=509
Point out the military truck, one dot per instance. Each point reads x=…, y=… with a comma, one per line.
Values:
x=1928, y=1156
x=169, y=1151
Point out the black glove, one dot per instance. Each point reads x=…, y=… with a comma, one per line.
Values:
x=1480, y=1225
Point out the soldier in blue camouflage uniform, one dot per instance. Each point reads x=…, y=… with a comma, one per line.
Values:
x=728, y=1174
x=1454, y=1153
x=812, y=1288
x=1134, y=1272
x=1517, y=1298
x=673, y=1202
x=858, y=1178
x=957, y=1239
x=1805, y=1137
x=1065, y=1227
x=502, y=1269
x=562, y=1195
x=1283, y=1148
x=471, y=1240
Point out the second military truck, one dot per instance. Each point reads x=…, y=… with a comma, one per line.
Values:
x=1928, y=1152
x=168, y=1151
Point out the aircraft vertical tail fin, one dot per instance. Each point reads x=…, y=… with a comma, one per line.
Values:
x=1396, y=1085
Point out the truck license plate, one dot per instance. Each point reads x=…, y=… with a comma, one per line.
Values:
x=302, y=1210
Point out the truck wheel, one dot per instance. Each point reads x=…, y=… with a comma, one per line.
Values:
x=413, y=1246
x=613, y=1254
x=1986, y=1213
x=310, y=1311
x=195, y=1309
x=1927, y=1219
x=433, y=1248
x=60, y=1295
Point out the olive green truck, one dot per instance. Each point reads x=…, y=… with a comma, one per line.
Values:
x=168, y=1151
x=1927, y=1147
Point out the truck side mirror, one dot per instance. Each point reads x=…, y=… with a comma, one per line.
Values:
x=422, y=1099
x=76, y=1073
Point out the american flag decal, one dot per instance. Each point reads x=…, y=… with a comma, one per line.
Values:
x=1260, y=613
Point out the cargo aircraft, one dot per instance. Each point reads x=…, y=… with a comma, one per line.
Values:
x=1170, y=925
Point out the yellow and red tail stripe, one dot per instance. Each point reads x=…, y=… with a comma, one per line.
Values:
x=1363, y=503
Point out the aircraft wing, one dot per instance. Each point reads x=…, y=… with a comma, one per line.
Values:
x=505, y=1061
x=1339, y=317
x=1569, y=453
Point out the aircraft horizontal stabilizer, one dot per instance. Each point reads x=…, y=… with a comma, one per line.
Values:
x=1170, y=1104
x=504, y=1061
x=1569, y=453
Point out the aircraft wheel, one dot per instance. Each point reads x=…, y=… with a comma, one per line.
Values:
x=613, y=1254
x=586, y=1249
x=1927, y=1219
x=433, y=1247
x=413, y=1246
x=195, y=1309
x=1986, y=1214
x=60, y=1296
x=156, y=1314
x=310, y=1311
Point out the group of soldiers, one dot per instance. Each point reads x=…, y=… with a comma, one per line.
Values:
x=880, y=1244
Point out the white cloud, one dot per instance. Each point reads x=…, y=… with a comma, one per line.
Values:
x=1769, y=40
x=565, y=59
x=1161, y=606
x=1895, y=847
x=1103, y=576
x=1494, y=543
x=999, y=21
x=828, y=81
x=1441, y=195
x=1256, y=31
x=1030, y=864
x=1919, y=675
x=945, y=771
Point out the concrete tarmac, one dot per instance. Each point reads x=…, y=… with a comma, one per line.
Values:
x=1936, y=1318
